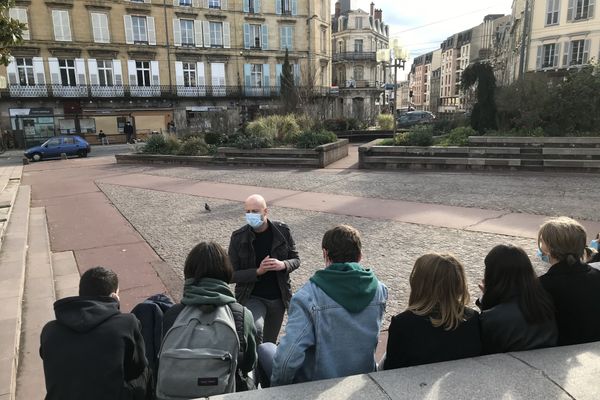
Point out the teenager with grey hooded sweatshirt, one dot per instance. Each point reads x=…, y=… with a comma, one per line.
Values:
x=334, y=320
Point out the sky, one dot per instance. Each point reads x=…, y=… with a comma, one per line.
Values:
x=423, y=24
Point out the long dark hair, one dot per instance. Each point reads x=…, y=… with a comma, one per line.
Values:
x=508, y=274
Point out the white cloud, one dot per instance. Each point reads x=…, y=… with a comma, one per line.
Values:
x=423, y=24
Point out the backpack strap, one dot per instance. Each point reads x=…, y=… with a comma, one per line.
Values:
x=239, y=314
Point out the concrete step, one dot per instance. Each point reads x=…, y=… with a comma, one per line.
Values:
x=38, y=300
x=66, y=274
x=12, y=279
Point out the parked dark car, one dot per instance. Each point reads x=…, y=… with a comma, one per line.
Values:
x=415, y=118
x=71, y=145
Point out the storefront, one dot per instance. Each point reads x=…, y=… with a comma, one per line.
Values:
x=32, y=126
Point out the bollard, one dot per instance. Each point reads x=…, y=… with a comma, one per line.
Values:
x=25, y=161
x=63, y=156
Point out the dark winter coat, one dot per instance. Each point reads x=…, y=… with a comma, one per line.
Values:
x=413, y=340
x=92, y=351
x=243, y=260
x=504, y=328
x=575, y=290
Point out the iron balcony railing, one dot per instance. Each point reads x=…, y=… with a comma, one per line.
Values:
x=359, y=84
x=355, y=56
x=127, y=91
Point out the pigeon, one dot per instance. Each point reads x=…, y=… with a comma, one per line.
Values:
x=206, y=207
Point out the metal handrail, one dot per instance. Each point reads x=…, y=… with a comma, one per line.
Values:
x=355, y=56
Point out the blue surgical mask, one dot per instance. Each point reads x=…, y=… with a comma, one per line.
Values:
x=255, y=220
x=542, y=256
x=594, y=244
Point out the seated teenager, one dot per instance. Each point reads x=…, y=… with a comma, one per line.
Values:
x=334, y=320
x=517, y=313
x=573, y=285
x=437, y=325
x=92, y=350
x=207, y=272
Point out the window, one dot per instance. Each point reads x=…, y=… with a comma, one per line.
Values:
x=323, y=40
x=359, y=23
x=214, y=4
x=189, y=74
x=358, y=46
x=256, y=74
x=105, y=73
x=252, y=6
x=185, y=2
x=187, y=32
x=549, y=55
x=359, y=73
x=67, y=72
x=143, y=73
x=216, y=34
x=140, y=34
x=580, y=10
x=20, y=14
x=578, y=52
x=25, y=71
x=552, y=8
x=100, y=28
x=255, y=36
x=286, y=7
x=287, y=37
x=62, y=26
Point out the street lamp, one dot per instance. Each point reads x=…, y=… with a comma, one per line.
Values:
x=398, y=56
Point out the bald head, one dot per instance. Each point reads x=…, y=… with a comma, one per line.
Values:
x=255, y=204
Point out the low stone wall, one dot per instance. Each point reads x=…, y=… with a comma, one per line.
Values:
x=319, y=157
x=569, y=372
x=534, y=155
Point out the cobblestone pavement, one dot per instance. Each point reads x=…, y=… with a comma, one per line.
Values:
x=173, y=223
x=525, y=192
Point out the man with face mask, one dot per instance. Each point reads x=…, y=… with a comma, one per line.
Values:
x=263, y=254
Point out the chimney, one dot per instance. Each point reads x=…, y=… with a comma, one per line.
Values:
x=378, y=15
x=372, y=8
x=338, y=9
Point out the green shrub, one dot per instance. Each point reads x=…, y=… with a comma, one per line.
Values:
x=418, y=135
x=335, y=125
x=387, y=142
x=193, y=146
x=252, y=142
x=385, y=122
x=354, y=124
x=312, y=139
x=155, y=144
x=458, y=136
x=172, y=145
x=215, y=138
x=525, y=132
x=280, y=128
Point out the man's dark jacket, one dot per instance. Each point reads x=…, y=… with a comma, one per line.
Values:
x=575, y=290
x=243, y=260
x=91, y=351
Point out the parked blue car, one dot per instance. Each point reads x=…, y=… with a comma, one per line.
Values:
x=69, y=144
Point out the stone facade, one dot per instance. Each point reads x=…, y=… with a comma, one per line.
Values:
x=157, y=62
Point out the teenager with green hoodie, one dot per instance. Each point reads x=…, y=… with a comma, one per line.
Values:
x=207, y=272
x=334, y=319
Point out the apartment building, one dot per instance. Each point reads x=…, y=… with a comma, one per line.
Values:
x=356, y=37
x=564, y=35
x=421, y=83
x=88, y=65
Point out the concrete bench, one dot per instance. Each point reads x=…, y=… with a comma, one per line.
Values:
x=570, y=372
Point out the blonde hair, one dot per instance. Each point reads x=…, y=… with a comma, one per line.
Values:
x=438, y=289
x=564, y=237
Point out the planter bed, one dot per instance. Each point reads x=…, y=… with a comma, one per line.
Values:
x=319, y=157
x=547, y=156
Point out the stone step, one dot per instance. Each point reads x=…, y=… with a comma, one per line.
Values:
x=66, y=274
x=300, y=162
x=38, y=300
x=12, y=279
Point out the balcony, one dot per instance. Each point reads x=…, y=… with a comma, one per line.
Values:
x=163, y=91
x=355, y=56
x=359, y=84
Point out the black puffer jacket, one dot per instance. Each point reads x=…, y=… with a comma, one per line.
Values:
x=93, y=351
x=243, y=260
x=504, y=329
